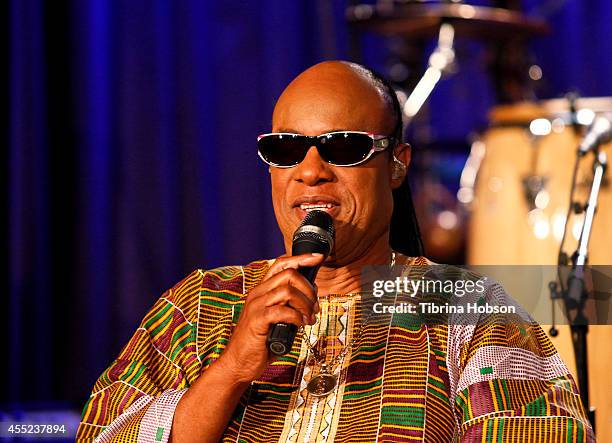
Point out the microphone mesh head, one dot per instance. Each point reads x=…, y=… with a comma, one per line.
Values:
x=316, y=233
x=320, y=219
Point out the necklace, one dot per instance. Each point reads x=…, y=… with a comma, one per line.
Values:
x=325, y=382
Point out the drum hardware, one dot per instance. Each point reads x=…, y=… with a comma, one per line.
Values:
x=534, y=185
x=534, y=188
x=572, y=99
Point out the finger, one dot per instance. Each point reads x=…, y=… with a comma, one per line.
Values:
x=292, y=297
x=293, y=262
x=293, y=278
x=289, y=279
x=317, y=306
x=283, y=314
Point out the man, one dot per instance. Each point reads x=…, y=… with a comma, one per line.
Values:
x=198, y=368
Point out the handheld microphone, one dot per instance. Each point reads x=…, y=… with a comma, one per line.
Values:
x=316, y=233
x=599, y=133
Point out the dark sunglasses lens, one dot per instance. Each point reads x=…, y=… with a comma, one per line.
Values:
x=282, y=150
x=345, y=149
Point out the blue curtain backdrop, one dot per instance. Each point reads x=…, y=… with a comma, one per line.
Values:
x=131, y=154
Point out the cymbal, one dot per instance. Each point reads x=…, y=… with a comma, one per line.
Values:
x=421, y=21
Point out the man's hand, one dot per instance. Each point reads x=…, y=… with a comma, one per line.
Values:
x=283, y=296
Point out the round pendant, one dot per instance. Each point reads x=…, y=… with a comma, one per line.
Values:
x=322, y=384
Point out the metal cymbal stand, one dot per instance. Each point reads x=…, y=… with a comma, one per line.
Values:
x=440, y=62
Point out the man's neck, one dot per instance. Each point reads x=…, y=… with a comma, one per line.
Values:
x=345, y=279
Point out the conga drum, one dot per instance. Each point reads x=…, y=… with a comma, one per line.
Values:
x=521, y=198
x=522, y=188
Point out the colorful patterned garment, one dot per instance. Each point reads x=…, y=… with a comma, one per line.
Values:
x=403, y=380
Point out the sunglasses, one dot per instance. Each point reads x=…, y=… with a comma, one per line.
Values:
x=342, y=148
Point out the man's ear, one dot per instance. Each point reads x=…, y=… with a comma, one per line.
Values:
x=399, y=164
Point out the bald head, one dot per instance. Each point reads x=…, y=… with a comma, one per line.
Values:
x=341, y=92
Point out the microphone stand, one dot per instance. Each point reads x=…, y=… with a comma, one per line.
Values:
x=574, y=293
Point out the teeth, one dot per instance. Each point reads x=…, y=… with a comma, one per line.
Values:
x=319, y=206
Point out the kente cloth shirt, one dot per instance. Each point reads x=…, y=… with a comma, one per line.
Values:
x=404, y=379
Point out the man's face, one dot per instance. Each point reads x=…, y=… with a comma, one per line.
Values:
x=331, y=97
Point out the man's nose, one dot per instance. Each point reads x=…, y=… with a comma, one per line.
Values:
x=313, y=169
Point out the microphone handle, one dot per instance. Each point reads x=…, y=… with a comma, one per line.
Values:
x=282, y=335
x=310, y=272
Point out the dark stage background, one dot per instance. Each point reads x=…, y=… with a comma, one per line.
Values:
x=131, y=154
